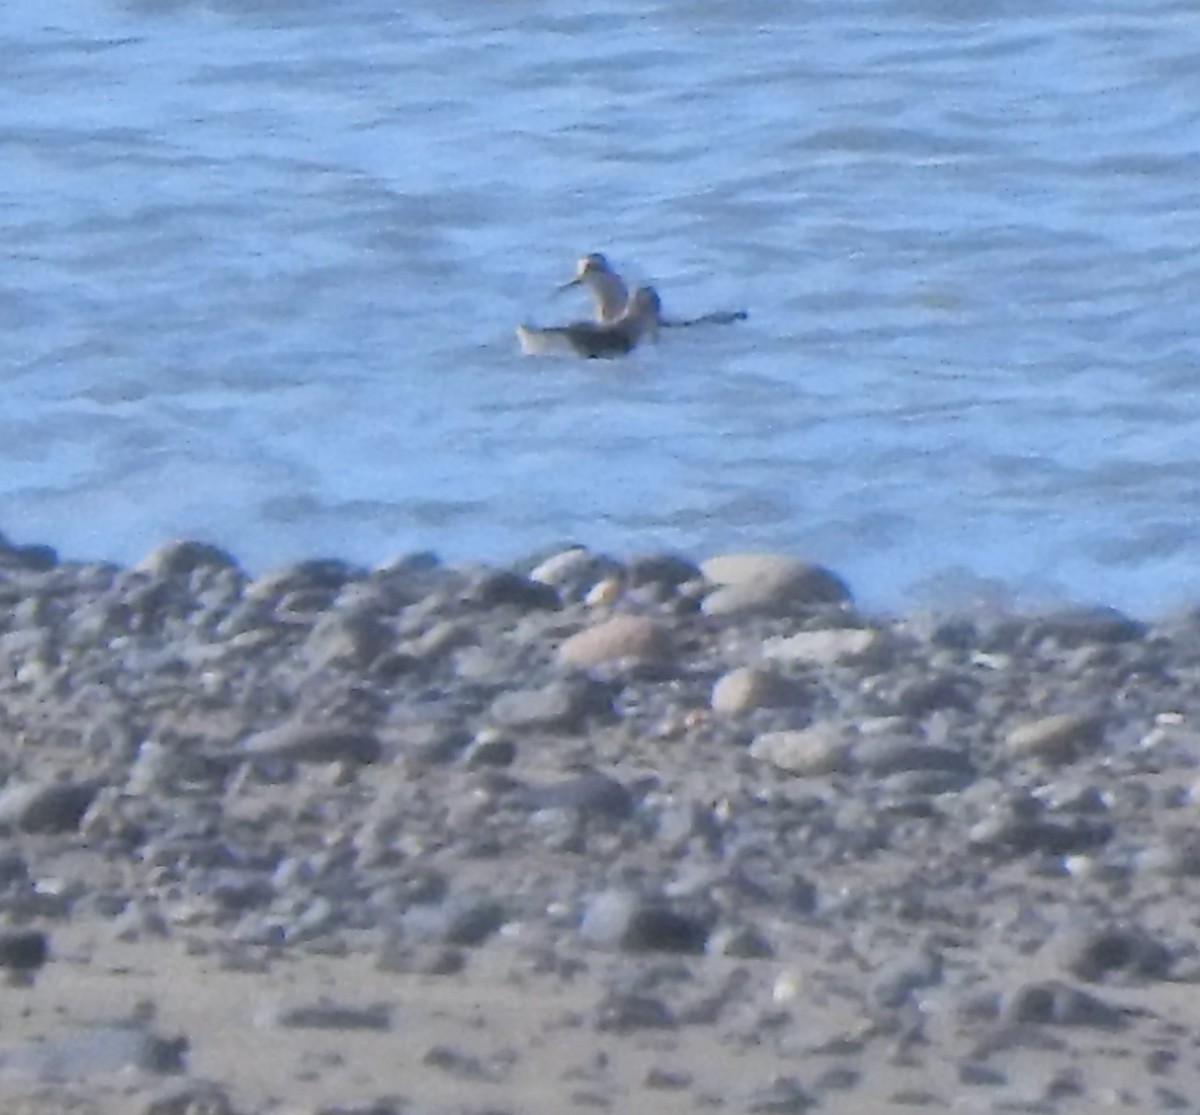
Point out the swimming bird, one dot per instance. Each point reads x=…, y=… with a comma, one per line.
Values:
x=591, y=339
x=610, y=295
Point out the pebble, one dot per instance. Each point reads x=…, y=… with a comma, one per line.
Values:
x=1055, y=739
x=1052, y=1002
x=748, y=688
x=784, y=1095
x=628, y=922
x=1096, y=953
x=329, y=1015
x=46, y=807
x=313, y=743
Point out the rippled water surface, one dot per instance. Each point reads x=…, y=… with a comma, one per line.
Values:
x=263, y=259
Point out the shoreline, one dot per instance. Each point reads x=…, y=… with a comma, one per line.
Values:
x=646, y=836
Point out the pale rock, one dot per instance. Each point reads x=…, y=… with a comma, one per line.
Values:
x=748, y=688
x=805, y=752
x=767, y=583
x=1056, y=739
x=824, y=648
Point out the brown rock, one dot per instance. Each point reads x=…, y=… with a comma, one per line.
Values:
x=622, y=637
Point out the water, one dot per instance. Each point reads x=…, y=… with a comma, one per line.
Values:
x=263, y=260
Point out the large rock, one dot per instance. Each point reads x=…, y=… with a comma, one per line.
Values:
x=575, y=572
x=775, y=583
x=180, y=558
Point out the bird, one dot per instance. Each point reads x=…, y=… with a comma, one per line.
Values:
x=610, y=296
x=598, y=339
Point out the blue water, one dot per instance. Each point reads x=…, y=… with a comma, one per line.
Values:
x=263, y=259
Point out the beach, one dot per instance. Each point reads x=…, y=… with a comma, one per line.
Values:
x=646, y=833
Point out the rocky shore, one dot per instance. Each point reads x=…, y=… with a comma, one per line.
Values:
x=586, y=834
